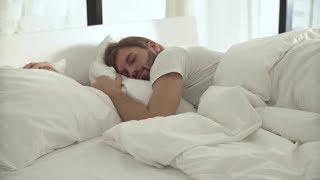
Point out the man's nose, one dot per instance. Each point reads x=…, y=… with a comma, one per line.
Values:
x=133, y=72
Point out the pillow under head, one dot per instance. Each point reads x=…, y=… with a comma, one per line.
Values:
x=137, y=89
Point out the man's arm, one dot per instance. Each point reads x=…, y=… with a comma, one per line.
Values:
x=40, y=65
x=166, y=96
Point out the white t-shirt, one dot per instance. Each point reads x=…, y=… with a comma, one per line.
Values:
x=196, y=65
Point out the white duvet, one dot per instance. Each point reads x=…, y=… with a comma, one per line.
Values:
x=227, y=144
x=227, y=137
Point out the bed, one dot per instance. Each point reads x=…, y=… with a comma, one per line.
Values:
x=253, y=123
x=92, y=159
x=81, y=45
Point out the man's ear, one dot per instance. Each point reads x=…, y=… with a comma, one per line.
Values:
x=154, y=46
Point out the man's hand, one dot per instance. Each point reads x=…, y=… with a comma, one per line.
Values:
x=40, y=65
x=108, y=85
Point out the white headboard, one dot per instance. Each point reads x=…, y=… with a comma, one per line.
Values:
x=79, y=46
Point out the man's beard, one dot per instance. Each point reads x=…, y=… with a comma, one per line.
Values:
x=151, y=58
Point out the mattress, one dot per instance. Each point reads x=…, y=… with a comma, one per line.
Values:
x=92, y=159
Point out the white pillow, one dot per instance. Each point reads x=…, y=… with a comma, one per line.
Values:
x=43, y=110
x=296, y=125
x=249, y=64
x=138, y=89
x=295, y=37
x=296, y=79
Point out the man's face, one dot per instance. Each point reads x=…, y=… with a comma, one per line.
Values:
x=135, y=62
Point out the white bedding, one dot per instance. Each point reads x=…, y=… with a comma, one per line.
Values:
x=225, y=139
x=216, y=144
x=92, y=159
x=296, y=78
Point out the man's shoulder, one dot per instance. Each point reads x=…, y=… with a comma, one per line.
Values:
x=174, y=49
x=186, y=49
x=173, y=52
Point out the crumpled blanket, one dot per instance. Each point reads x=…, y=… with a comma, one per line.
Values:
x=225, y=138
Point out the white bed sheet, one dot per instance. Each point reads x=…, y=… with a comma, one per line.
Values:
x=92, y=159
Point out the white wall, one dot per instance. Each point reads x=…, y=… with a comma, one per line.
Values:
x=316, y=14
x=306, y=13
x=119, y=11
x=20, y=16
x=266, y=13
x=222, y=23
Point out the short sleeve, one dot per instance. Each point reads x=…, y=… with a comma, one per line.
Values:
x=172, y=59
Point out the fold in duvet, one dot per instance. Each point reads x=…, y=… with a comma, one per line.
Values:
x=223, y=140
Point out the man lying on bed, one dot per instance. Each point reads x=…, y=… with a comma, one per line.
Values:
x=173, y=71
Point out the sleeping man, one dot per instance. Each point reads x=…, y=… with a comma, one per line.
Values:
x=174, y=72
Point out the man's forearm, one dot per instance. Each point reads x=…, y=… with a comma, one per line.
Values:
x=129, y=108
